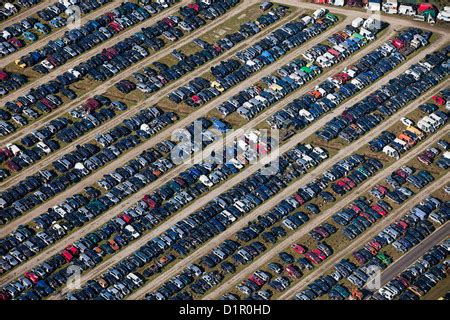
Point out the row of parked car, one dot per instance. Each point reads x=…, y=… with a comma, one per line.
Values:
x=112, y=60
x=253, y=59
x=12, y=8
x=170, y=198
x=340, y=46
x=67, y=136
x=414, y=227
x=354, y=220
x=60, y=130
x=29, y=143
x=16, y=36
x=256, y=228
x=418, y=279
x=440, y=154
x=153, y=80
x=61, y=219
x=79, y=208
x=394, y=146
x=334, y=91
x=369, y=258
x=9, y=82
x=359, y=118
x=72, y=37
x=410, y=230
x=128, y=231
x=87, y=158
x=290, y=77
x=299, y=160
x=351, y=165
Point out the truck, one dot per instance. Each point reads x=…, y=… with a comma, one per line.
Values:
x=374, y=5
x=306, y=20
x=14, y=149
x=406, y=9
x=390, y=7
x=424, y=126
x=358, y=22
x=391, y=152
x=367, y=34
x=372, y=24
x=444, y=15
x=319, y=13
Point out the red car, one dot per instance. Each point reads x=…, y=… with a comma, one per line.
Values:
x=72, y=249
x=169, y=22
x=152, y=203
x=196, y=99
x=299, y=199
x=403, y=224
x=375, y=244
x=13, y=166
x=48, y=103
x=180, y=181
x=3, y=76
x=402, y=173
x=4, y=296
x=16, y=42
x=343, y=185
x=293, y=271
x=356, y=208
x=381, y=189
x=125, y=218
x=67, y=255
x=349, y=182
x=256, y=280
x=91, y=104
x=324, y=233
x=368, y=217
x=379, y=210
x=115, y=26
x=322, y=256
x=31, y=276
x=311, y=256
x=398, y=43
x=298, y=248
x=261, y=148
x=194, y=6
x=403, y=281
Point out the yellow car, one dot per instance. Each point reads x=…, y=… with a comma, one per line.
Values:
x=21, y=64
x=217, y=85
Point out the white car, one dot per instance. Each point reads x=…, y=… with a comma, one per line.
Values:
x=133, y=231
x=406, y=121
x=205, y=180
x=44, y=147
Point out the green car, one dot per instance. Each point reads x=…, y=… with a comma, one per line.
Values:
x=384, y=258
